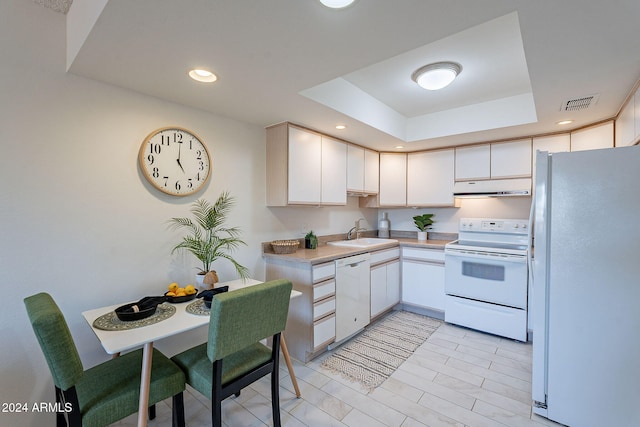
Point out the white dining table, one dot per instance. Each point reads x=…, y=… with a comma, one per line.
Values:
x=118, y=341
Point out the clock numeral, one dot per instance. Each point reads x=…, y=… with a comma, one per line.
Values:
x=155, y=173
x=189, y=184
x=177, y=137
x=154, y=148
x=199, y=154
x=201, y=165
x=151, y=159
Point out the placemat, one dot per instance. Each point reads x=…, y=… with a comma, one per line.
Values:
x=110, y=321
x=198, y=308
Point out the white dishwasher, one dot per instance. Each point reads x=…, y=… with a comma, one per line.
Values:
x=353, y=293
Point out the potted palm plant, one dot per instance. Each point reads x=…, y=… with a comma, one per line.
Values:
x=423, y=222
x=207, y=238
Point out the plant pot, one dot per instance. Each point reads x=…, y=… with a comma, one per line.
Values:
x=422, y=236
x=311, y=243
x=199, y=279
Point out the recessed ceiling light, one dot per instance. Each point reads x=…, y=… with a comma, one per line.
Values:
x=204, y=76
x=437, y=75
x=340, y=127
x=399, y=146
x=336, y=4
x=564, y=122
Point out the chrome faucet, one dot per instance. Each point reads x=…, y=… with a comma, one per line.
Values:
x=357, y=229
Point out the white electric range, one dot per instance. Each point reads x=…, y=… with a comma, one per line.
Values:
x=486, y=276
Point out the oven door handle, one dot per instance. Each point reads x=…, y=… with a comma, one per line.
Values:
x=487, y=256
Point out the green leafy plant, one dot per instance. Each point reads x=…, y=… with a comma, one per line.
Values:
x=207, y=238
x=423, y=222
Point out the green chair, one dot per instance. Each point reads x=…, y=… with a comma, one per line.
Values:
x=233, y=357
x=107, y=392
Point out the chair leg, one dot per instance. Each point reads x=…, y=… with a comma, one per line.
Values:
x=275, y=381
x=61, y=421
x=74, y=417
x=152, y=412
x=178, y=410
x=216, y=395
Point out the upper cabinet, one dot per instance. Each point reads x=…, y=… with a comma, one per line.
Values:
x=430, y=178
x=473, y=162
x=628, y=122
x=363, y=168
x=511, y=159
x=625, y=126
x=305, y=167
x=591, y=138
x=494, y=161
x=393, y=179
x=552, y=144
x=415, y=180
x=333, y=182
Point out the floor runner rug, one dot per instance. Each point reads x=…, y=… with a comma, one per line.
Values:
x=372, y=356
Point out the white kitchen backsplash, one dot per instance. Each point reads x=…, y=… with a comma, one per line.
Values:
x=446, y=219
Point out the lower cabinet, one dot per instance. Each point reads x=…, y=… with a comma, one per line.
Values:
x=385, y=286
x=311, y=325
x=423, y=278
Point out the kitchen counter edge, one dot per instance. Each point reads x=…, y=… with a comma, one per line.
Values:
x=328, y=253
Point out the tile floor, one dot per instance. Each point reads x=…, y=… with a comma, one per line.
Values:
x=458, y=377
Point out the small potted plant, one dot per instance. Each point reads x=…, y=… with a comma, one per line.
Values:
x=423, y=222
x=207, y=238
x=310, y=240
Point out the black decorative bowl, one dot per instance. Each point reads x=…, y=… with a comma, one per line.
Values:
x=175, y=300
x=207, y=295
x=125, y=314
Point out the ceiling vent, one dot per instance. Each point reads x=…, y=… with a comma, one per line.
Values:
x=61, y=6
x=578, y=104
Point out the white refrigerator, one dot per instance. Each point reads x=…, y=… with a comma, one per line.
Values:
x=586, y=287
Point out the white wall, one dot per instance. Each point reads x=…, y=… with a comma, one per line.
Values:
x=446, y=219
x=78, y=220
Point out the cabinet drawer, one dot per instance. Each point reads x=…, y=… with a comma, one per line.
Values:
x=385, y=255
x=434, y=255
x=324, y=307
x=324, y=331
x=322, y=272
x=323, y=290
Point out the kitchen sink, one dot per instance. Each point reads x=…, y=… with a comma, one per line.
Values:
x=365, y=242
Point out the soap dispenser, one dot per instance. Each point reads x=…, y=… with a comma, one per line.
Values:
x=384, y=226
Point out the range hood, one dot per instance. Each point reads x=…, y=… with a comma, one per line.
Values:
x=493, y=188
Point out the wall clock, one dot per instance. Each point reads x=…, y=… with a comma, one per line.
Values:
x=175, y=161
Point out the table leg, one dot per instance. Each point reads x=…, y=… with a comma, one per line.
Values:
x=287, y=359
x=145, y=380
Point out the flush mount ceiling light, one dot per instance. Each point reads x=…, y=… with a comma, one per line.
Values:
x=336, y=4
x=341, y=127
x=564, y=122
x=437, y=75
x=203, y=76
